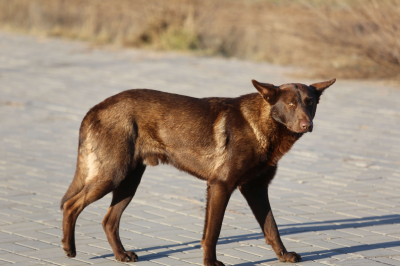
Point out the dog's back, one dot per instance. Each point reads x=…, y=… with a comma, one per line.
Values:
x=142, y=126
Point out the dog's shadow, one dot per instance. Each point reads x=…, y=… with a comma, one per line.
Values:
x=289, y=229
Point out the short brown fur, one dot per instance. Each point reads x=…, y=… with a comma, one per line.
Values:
x=228, y=142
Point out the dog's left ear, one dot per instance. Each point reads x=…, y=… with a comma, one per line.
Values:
x=321, y=86
x=268, y=91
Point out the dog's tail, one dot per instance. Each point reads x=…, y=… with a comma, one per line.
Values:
x=73, y=190
x=78, y=181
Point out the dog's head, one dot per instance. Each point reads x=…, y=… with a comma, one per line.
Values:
x=293, y=105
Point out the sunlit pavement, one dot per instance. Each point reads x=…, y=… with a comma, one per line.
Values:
x=335, y=197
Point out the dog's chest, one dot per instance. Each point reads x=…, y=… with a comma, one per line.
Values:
x=279, y=148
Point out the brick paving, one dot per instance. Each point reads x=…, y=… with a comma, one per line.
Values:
x=335, y=197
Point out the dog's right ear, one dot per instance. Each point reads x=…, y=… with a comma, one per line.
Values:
x=268, y=91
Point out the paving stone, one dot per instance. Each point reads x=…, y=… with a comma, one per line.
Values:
x=14, y=258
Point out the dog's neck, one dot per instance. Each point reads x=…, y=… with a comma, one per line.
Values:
x=274, y=138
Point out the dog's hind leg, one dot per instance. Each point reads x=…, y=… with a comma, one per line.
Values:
x=75, y=205
x=122, y=196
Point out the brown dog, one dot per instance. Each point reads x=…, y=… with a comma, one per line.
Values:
x=229, y=142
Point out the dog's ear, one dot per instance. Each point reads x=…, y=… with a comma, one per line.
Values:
x=268, y=91
x=321, y=86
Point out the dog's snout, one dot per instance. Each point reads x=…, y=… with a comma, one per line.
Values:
x=306, y=125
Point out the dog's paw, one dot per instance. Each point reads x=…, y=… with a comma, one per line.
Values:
x=213, y=263
x=290, y=257
x=70, y=252
x=69, y=249
x=127, y=256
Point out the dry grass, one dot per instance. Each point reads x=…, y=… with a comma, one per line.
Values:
x=342, y=38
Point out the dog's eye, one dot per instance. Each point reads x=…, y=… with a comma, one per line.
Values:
x=291, y=104
x=308, y=102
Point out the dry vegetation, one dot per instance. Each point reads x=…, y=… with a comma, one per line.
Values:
x=342, y=38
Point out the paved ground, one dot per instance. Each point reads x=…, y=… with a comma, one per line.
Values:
x=335, y=197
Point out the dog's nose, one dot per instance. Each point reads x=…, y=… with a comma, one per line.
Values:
x=306, y=125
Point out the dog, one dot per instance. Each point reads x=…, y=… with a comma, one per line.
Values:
x=228, y=142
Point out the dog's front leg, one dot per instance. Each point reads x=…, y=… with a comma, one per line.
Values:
x=256, y=194
x=218, y=194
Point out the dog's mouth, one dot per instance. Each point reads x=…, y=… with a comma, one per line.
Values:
x=301, y=132
x=297, y=128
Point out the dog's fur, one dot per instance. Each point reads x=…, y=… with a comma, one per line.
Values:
x=228, y=142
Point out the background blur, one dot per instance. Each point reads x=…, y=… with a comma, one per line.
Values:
x=336, y=194
x=342, y=38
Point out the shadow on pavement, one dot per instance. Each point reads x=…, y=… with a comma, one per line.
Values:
x=305, y=227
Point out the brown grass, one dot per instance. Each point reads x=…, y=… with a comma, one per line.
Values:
x=342, y=38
